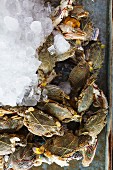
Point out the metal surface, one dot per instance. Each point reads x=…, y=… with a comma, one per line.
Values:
x=108, y=151
x=100, y=11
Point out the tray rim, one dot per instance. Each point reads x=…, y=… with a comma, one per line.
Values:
x=108, y=146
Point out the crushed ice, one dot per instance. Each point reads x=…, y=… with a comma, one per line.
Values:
x=23, y=26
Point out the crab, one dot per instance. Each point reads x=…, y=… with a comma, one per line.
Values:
x=56, y=93
x=22, y=158
x=94, y=55
x=10, y=124
x=71, y=30
x=88, y=28
x=64, y=148
x=91, y=94
x=62, y=112
x=70, y=27
x=61, y=11
x=10, y=121
x=95, y=123
x=14, y=111
x=71, y=33
x=85, y=99
x=78, y=12
x=99, y=98
x=47, y=60
x=42, y=124
x=89, y=153
x=8, y=142
x=79, y=75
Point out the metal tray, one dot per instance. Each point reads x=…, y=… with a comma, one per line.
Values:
x=101, y=14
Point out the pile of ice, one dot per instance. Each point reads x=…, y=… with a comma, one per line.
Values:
x=23, y=26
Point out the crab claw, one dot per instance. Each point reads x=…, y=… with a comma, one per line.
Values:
x=67, y=2
x=56, y=20
x=99, y=98
x=89, y=153
x=62, y=11
x=78, y=35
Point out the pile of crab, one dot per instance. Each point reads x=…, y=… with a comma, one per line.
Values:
x=72, y=110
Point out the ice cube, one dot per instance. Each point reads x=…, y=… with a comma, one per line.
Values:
x=52, y=50
x=28, y=20
x=36, y=27
x=29, y=102
x=11, y=23
x=30, y=51
x=1, y=92
x=48, y=27
x=13, y=6
x=27, y=4
x=60, y=44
